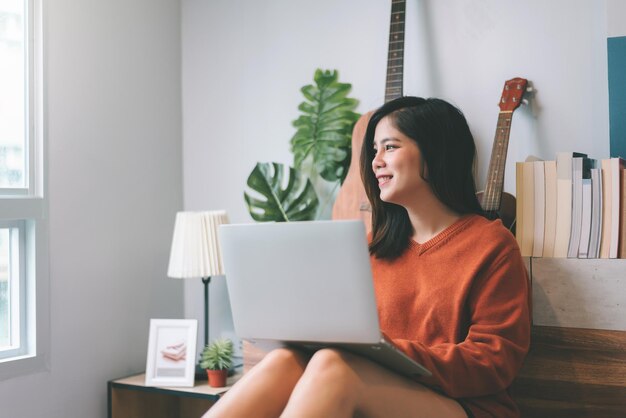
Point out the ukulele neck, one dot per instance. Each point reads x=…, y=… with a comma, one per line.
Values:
x=495, y=176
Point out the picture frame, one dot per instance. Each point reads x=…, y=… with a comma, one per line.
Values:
x=171, y=352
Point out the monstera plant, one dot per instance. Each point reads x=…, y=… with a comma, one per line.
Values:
x=321, y=149
x=295, y=201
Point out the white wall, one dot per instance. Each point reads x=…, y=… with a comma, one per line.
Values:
x=245, y=61
x=616, y=11
x=115, y=175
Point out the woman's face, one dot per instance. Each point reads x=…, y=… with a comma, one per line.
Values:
x=397, y=165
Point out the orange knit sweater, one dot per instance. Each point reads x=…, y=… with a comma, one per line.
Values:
x=459, y=305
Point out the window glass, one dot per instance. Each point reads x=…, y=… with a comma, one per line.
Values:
x=5, y=319
x=13, y=115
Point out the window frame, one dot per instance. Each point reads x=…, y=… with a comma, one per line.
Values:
x=30, y=99
x=28, y=208
x=17, y=285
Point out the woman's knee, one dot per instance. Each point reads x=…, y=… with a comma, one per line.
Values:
x=333, y=364
x=283, y=358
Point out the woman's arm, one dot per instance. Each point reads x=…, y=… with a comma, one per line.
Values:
x=498, y=336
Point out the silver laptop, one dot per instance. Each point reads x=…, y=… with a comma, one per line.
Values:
x=307, y=284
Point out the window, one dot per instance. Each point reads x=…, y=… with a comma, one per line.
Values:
x=5, y=289
x=24, y=330
x=13, y=114
x=12, y=301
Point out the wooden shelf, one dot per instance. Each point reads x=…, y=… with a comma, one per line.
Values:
x=573, y=372
x=576, y=366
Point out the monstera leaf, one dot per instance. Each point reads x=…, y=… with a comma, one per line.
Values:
x=325, y=127
x=286, y=199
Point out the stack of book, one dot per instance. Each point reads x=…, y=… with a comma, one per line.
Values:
x=573, y=207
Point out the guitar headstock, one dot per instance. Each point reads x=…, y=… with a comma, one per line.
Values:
x=512, y=94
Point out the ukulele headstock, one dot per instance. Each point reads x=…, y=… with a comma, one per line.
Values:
x=512, y=94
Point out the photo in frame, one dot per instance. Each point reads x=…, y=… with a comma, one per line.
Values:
x=171, y=352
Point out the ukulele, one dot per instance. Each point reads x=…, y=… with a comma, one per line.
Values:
x=352, y=202
x=495, y=202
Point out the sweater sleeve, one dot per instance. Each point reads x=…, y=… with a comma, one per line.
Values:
x=498, y=336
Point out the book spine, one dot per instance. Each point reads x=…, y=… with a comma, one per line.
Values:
x=605, y=240
x=539, y=207
x=563, y=203
x=550, y=208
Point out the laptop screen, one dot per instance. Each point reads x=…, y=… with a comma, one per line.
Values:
x=300, y=281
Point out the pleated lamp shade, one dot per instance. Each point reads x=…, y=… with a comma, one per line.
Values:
x=195, y=245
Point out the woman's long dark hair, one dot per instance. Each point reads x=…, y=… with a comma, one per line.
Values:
x=441, y=132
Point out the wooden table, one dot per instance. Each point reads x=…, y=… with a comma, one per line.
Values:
x=129, y=397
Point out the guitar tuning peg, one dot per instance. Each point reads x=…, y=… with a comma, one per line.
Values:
x=529, y=89
x=525, y=101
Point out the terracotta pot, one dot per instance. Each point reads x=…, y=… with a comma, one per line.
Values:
x=217, y=378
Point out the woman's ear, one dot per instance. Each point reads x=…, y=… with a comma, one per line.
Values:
x=424, y=173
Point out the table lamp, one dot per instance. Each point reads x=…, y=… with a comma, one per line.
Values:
x=196, y=251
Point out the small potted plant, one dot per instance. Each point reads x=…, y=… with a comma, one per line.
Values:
x=217, y=359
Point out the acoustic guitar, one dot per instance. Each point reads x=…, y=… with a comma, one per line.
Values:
x=495, y=202
x=352, y=202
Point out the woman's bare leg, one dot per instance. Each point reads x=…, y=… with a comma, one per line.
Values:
x=265, y=389
x=340, y=384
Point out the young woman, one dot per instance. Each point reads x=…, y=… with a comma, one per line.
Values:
x=451, y=289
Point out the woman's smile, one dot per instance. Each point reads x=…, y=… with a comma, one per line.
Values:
x=383, y=180
x=397, y=164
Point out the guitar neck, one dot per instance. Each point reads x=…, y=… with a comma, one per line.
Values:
x=495, y=177
x=395, y=55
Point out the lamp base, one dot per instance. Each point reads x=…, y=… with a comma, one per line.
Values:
x=200, y=373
